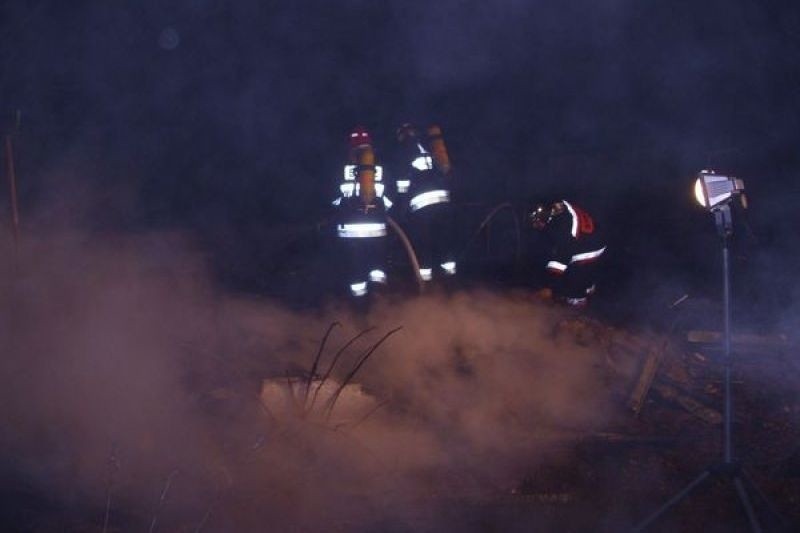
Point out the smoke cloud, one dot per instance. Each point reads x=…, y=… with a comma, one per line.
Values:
x=129, y=372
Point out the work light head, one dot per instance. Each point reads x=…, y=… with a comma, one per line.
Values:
x=712, y=190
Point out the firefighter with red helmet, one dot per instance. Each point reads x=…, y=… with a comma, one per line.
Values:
x=361, y=218
x=577, y=249
x=426, y=189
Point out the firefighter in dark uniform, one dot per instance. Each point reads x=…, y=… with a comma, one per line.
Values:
x=577, y=249
x=361, y=215
x=426, y=193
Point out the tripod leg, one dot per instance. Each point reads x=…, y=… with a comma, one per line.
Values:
x=747, y=504
x=764, y=500
x=672, y=501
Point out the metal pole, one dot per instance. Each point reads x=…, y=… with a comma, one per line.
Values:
x=672, y=501
x=726, y=303
x=12, y=185
x=722, y=217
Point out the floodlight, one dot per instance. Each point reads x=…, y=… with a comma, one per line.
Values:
x=712, y=190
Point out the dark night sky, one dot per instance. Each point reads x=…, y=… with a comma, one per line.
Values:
x=224, y=116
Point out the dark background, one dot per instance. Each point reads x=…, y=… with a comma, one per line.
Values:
x=229, y=120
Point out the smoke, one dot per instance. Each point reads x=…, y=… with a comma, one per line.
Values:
x=123, y=346
x=120, y=349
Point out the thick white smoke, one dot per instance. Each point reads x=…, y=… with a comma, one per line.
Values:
x=121, y=349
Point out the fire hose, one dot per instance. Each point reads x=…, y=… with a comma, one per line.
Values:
x=412, y=256
x=487, y=220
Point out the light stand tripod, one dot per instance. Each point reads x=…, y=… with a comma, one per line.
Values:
x=728, y=469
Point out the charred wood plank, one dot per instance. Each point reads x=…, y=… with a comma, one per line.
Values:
x=742, y=340
x=647, y=375
x=693, y=406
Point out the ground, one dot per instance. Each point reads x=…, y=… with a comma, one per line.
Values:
x=597, y=477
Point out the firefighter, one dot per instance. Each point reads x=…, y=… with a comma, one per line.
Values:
x=425, y=189
x=361, y=215
x=576, y=250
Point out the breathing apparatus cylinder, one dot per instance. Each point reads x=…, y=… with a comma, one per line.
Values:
x=365, y=172
x=438, y=149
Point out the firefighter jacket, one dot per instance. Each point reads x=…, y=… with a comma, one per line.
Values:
x=357, y=218
x=575, y=239
x=423, y=184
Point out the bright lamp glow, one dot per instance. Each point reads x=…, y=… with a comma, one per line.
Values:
x=699, y=195
x=711, y=189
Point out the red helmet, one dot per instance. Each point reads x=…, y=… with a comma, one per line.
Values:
x=359, y=136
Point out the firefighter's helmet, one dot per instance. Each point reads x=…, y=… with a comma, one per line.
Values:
x=406, y=131
x=434, y=131
x=359, y=137
x=542, y=213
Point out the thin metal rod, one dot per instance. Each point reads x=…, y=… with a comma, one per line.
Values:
x=332, y=365
x=672, y=501
x=782, y=524
x=726, y=303
x=755, y=526
x=113, y=466
x=335, y=396
x=162, y=499
x=12, y=186
x=313, y=371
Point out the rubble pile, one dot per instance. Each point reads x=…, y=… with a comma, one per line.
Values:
x=315, y=445
x=669, y=429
